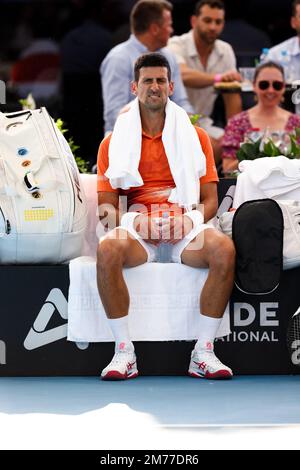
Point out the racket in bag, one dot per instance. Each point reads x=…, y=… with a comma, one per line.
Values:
x=43, y=211
x=257, y=232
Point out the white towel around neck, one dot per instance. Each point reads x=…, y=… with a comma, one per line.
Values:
x=182, y=146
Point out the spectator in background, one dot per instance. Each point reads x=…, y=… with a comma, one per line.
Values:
x=151, y=26
x=269, y=87
x=205, y=60
x=291, y=46
x=83, y=50
x=37, y=71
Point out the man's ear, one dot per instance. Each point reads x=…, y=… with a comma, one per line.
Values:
x=193, y=20
x=133, y=87
x=154, y=29
x=171, y=88
x=293, y=22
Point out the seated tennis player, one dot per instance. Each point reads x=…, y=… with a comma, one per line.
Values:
x=164, y=166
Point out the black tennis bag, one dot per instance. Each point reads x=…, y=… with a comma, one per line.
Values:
x=257, y=232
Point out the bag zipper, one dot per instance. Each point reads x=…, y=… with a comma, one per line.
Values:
x=255, y=293
x=7, y=224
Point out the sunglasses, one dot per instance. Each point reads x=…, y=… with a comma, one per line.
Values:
x=265, y=84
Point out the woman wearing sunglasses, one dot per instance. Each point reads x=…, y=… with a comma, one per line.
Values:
x=269, y=88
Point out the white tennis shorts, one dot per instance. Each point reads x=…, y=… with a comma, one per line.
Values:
x=176, y=250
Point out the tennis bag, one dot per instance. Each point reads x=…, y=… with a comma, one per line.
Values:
x=43, y=211
x=257, y=232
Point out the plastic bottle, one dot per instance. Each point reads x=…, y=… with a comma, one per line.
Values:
x=164, y=249
x=285, y=60
x=264, y=55
x=292, y=72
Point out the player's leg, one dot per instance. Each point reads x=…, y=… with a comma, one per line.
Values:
x=116, y=250
x=211, y=249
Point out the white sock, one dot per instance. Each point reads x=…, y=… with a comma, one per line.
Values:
x=120, y=331
x=208, y=327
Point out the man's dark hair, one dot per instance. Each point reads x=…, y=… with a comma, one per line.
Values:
x=294, y=7
x=152, y=59
x=211, y=3
x=146, y=12
x=266, y=65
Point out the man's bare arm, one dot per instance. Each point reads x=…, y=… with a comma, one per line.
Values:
x=108, y=206
x=209, y=198
x=233, y=104
x=195, y=79
x=179, y=226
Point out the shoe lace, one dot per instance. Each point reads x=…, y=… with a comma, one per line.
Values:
x=210, y=358
x=121, y=356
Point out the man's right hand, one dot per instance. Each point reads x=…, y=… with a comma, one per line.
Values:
x=231, y=76
x=147, y=228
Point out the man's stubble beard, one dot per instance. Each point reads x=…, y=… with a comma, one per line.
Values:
x=203, y=37
x=158, y=107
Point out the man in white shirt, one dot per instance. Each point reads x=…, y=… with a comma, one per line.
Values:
x=290, y=46
x=205, y=60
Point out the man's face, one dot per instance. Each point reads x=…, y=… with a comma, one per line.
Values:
x=162, y=31
x=153, y=88
x=295, y=20
x=209, y=24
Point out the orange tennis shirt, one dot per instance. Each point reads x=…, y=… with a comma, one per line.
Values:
x=154, y=169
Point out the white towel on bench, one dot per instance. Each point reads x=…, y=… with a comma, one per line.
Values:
x=164, y=303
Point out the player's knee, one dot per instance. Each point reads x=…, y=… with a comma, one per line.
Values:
x=223, y=254
x=111, y=251
x=228, y=253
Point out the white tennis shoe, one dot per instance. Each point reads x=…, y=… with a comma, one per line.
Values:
x=204, y=364
x=122, y=366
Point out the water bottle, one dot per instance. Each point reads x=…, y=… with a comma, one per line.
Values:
x=164, y=251
x=285, y=60
x=264, y=55
x=292, y=71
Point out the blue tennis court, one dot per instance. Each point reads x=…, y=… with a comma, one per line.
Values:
x=251, y=412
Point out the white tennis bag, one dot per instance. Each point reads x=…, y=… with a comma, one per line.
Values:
x=43, y=210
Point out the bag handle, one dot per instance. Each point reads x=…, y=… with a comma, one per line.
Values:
x=18, y=114
x=28, y=181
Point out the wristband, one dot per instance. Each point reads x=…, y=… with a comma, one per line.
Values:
x=196, y=217
x=217, y=78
